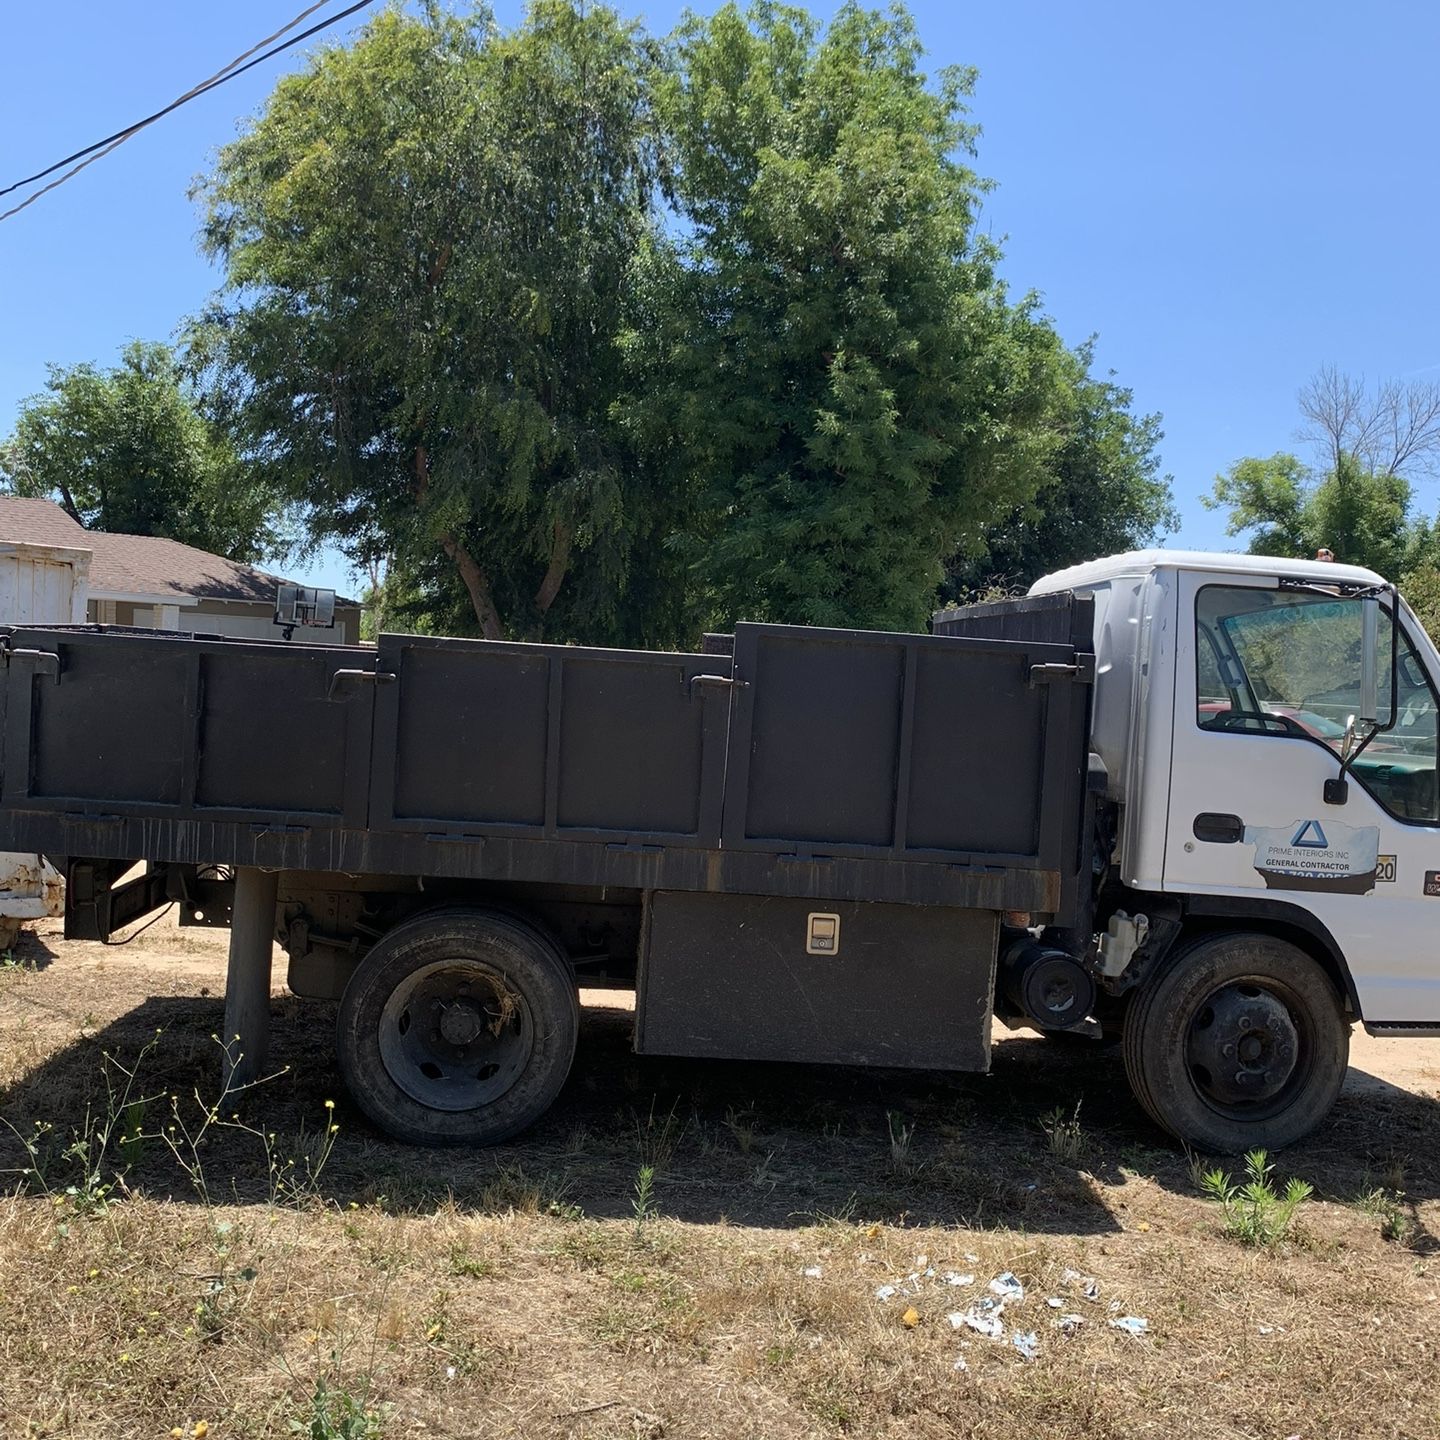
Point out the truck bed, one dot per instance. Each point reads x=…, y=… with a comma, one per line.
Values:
x=853, y=764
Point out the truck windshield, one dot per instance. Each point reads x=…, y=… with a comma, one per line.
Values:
x=1287, y=663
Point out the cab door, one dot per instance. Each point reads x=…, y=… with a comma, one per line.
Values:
x=1268, y=677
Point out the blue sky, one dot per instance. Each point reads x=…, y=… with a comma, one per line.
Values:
x=1230, y=195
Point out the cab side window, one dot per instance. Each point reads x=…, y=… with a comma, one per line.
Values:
x=1287, y=663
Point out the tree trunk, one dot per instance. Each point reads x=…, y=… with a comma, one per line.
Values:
x=555, y=574
x=67, y=503
x=477, y=582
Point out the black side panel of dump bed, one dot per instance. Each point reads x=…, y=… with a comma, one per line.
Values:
x=1063, y=618
x=906, y=746
x=552, y=741
x=106, y=723
x=849, y=764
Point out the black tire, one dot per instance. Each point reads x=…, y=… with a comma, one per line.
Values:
x=1287, y=1036
x=505, y=993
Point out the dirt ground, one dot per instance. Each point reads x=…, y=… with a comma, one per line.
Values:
x=259, y=1274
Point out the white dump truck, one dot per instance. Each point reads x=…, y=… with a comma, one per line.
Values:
x=1187, y=799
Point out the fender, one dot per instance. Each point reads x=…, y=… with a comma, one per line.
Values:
x=1280, y=917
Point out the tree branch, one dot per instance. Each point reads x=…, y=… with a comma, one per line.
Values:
x=477, y=582
x=441, y=265
x=555, y=572
x=67, y=502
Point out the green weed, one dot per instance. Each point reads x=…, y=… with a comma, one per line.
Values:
x=1068, y=1142
x=643, y=1203
x=657, y=1138
x=1256, y=1213
x=901, y=1136
x=1388, y=1207
x=336, y=1414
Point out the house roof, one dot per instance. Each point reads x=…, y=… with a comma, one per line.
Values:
x=140, y=566
x=39, y=522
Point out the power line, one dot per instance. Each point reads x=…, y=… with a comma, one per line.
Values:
x=188, y=95
x=100, y=148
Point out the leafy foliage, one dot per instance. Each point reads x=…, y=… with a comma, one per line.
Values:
x=426, y=238
x=1103, y=494
x=850, y=397
x=573, y=334
x=1363, y=517
x=127, y=450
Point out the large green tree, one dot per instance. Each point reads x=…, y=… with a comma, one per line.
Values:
x=426, y=239
x=126, y=449
x=830, y=375
x=1103, y=492
x=1371, y=444
x=1363, y=517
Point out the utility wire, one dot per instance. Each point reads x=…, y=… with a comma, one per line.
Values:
x=188, y=95
x=100, y=148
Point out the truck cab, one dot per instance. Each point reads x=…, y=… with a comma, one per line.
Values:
x=1268, y=732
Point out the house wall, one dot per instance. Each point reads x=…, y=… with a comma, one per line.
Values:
x=42, y=584
x=223, y=617
x=257, y=622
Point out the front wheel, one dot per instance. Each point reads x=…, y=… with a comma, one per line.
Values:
x=458, y=1028
x=1240, y=1043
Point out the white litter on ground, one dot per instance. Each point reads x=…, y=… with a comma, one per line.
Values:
x=1007, y=1286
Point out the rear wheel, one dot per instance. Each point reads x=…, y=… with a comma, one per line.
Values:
x=458, y=1028
x=1240, y=1043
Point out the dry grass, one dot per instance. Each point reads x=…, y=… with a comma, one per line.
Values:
x=514, y=1294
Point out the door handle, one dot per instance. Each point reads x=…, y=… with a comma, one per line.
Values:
x=702, y=682
x=1216, y=829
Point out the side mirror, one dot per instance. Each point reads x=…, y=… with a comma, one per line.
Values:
x=1369, y=713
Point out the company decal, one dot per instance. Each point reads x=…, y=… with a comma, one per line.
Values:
x=1319, y=855
x=1432, y=883
x=1385, y=869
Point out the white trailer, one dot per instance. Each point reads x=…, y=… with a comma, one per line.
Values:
x=39, y=585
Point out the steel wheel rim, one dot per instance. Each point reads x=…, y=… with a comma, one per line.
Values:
x=1249, y=1048
x=454, y=1035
